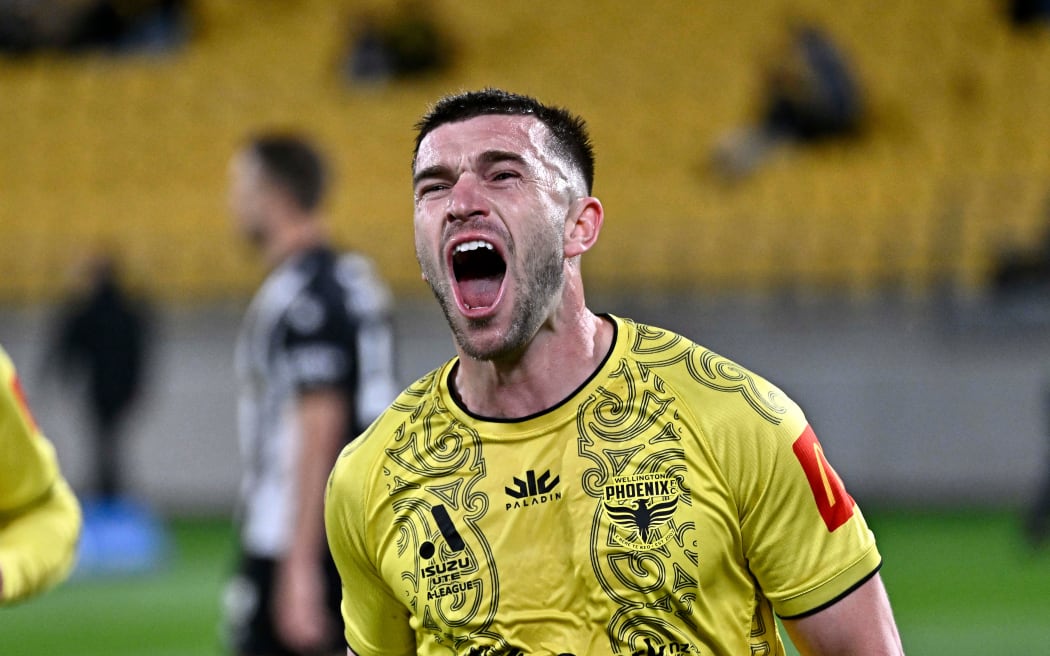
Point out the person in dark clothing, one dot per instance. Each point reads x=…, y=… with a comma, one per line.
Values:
x=1025, y=14
x=810, y=95
x=118, y=26
x=102, y=339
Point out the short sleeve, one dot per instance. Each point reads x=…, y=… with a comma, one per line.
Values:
x=376, y=623
x=805, y=539
x=27, y=459
x=38, y=546
x=39, y=516
x=318, y=342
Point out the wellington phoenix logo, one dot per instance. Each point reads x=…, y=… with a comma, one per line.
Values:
x=639, y=506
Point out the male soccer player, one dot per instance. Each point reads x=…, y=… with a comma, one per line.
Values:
x=315, y=365
x=39, y=516
x=575, y=483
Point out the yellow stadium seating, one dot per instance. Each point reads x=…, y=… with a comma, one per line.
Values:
x=130, y=152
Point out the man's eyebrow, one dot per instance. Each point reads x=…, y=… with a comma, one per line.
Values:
x=498, y=156
x=488, y=157
x=435, y=171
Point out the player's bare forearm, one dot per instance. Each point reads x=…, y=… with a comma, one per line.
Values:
x=860, y=624
x=323, y=416
x=300, y=591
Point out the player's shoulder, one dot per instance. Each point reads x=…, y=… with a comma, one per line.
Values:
x=711, y=385
x=7, y=382
x=7, y=367
x=317, y=295
x=317, y=272
x=367, y=293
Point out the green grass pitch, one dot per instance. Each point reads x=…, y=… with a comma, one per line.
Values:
x=962, y=583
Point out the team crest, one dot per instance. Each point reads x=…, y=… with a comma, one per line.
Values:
x=639, y=506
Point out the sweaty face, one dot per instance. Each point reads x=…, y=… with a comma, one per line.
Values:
x=491, y=200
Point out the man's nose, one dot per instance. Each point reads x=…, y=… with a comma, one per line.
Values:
x=466, y=199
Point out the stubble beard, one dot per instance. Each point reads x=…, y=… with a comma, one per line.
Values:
x=541, y=280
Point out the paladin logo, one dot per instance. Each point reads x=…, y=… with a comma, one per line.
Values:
x=533, y=490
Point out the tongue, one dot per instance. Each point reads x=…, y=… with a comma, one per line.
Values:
x=480, y=292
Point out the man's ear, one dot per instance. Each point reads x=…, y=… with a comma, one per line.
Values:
x=583, y=225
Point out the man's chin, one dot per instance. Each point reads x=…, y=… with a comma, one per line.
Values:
x=481, y=340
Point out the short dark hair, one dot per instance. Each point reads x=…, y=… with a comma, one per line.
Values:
x=568, y=131
x=293, y=163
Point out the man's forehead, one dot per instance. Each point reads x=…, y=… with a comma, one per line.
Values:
x=246, y=165
x=515, y=133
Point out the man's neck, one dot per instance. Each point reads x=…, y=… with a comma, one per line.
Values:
x=295, y=238
x=558, y=360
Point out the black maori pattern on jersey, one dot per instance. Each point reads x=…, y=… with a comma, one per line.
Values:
x=638, y=468
x=454, y=582
x=707, y=368
x=642, y=542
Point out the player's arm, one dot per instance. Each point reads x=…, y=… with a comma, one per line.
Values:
x=860, y=624
x=322, y=415
x=38, y=544
x=808, y=545
x=39, y=516
x=376, y=621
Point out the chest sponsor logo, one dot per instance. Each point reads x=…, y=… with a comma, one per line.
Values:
x=533, y=490
x=639, y=506
x=447, y=576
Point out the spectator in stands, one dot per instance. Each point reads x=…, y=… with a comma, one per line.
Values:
x=1027, y=13
x=416, y=42
x=408, y=45
x=1020, y=273
x=369, y=60
x=102, y=338
x=76, y=25
x=810, y=95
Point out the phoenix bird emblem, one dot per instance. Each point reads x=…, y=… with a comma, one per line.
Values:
x=643, y=517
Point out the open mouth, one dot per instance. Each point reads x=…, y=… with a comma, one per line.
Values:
x=479, y=270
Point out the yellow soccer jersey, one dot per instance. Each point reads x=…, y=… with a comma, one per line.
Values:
x=669, y=506
x=39, y=516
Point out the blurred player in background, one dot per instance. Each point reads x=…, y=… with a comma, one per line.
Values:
x=39, y=516
x=575, y=483
x=315, y=366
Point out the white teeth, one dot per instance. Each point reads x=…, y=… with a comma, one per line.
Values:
x=473, y=246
